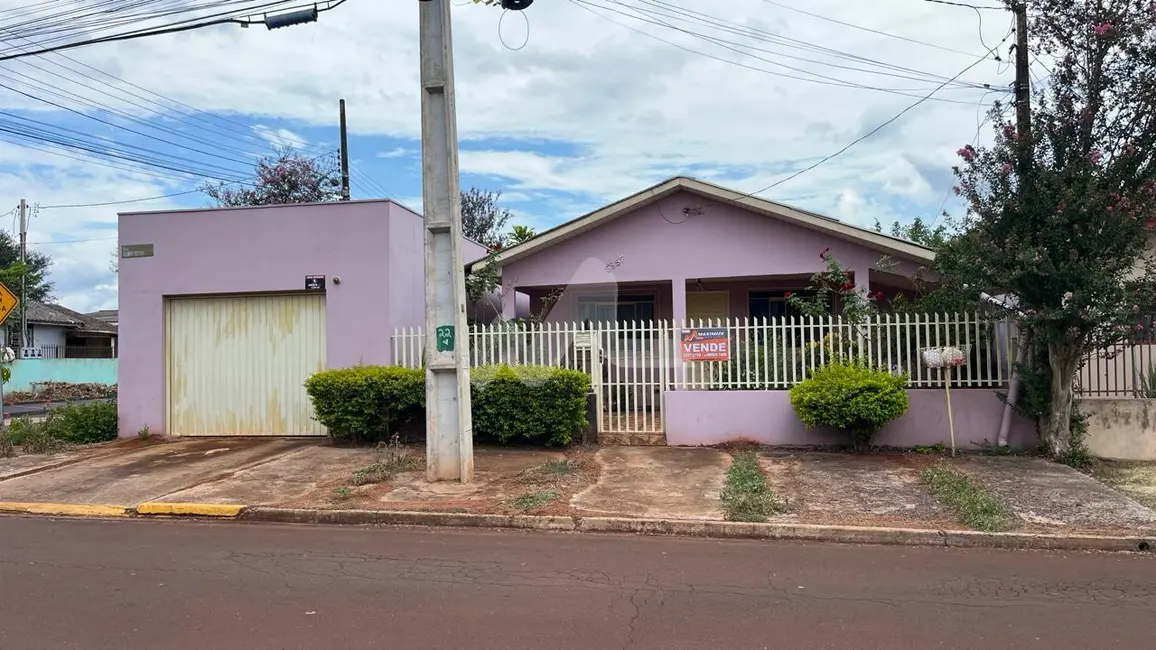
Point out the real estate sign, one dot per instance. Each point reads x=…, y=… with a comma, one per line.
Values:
x=711, y=344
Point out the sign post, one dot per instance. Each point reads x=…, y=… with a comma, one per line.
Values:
x=8, y=304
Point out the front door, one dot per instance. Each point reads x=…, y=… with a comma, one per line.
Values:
x=707, y=305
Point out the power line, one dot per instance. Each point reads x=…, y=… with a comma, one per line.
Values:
x=106, y=203
x=869, y=133
x=962, y=4
x=681, y=13
x=833, y=81
x=868, y=29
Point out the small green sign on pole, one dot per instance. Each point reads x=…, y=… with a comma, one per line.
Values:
x=445, y=337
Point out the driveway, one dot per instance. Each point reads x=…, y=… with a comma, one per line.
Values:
x=147, y=474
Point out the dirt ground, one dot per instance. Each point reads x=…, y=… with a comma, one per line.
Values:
x=1135, y=479
x=506, y=481
x=885, y=489
x=881, y=489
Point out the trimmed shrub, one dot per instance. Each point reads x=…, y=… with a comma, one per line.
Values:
x=852, y=397
x=366, y=403
x=83, y=424
x=536, y=404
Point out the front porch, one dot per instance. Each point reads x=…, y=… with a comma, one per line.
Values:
x=691, y=301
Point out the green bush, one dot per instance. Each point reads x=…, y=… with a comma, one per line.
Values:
x=516, y=404
x=82, y=424
x=366, y=403
x=536, y=404
x=852, y=397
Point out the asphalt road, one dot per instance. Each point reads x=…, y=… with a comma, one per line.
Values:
x=189, y=585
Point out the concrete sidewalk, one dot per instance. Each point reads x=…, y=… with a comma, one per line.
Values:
x=656, y=483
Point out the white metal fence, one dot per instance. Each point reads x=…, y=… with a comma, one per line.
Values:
x=633, y=364
x=1122, y=371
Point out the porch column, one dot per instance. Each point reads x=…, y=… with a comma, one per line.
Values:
x=509, y=303
x=678, y=299
x=678, y=317
x=862, y=278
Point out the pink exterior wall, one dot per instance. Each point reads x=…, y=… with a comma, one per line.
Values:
x=713, y=417
x=725, y=241
x=376, y=247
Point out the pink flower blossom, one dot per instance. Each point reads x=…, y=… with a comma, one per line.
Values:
x=1102, y=28
x=1009, y=132
x=1006, y=169
x=1094, y=156
x=967, y=152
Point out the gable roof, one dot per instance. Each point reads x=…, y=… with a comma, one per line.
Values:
x=40, y=313
x=894, y=246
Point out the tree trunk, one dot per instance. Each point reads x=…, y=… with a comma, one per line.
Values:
x=1056, y=432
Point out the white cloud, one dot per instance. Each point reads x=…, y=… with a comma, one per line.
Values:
x=397, y=152
x=586, y=113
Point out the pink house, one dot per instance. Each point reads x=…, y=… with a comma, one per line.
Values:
x=687, y=251
x=225, y=312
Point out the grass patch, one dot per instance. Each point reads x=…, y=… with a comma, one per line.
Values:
x=746, y=495
x=7, y=449
x=937, y=448
x=564, y=467
x=392, y=459
x=39, y=440
x=533, y=499
x=977, y=507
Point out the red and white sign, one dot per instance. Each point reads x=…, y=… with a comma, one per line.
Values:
x=706, y=345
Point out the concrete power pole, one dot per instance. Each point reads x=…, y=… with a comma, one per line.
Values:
x=344, y=155
x=24, y=275
x=449, y=427
x=1024, y=130
x=1023, y=73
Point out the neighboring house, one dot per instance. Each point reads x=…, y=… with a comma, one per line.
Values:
x=687, y=249
x=105, y=316
x=56, y=332
x=228, y=311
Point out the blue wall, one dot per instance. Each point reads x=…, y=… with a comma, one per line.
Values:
x=26, y=372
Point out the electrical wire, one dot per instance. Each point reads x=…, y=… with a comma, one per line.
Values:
x=864, y=136
x=661, y=9
x=57, y=33
x=837, y=83
x=869, y=30
x=501, y=38
x=687, y=15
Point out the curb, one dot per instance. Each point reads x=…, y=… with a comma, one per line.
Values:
x=190, y=509
x=611, y=525
x=64, y=509
x=710, y=529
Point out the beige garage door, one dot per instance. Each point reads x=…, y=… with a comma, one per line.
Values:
x=236, y=364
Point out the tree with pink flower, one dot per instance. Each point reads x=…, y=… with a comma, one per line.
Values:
x=1059, y=216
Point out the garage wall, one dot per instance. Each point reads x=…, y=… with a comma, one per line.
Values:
x=263, y=249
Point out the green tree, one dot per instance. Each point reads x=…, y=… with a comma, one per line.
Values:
x=919, y=232
x=483, y=220
x=521, y=234
x=38, y=286
x=1059, y=216
x=287, y=176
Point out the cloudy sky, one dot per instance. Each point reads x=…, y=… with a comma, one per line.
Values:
x=564, y=107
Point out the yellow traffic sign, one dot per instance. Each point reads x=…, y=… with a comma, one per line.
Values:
x=8, y=303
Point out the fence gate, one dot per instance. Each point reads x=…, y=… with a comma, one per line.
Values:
x=632, y=374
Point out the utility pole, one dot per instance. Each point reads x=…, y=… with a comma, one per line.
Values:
x=1023, y=73
x=449, y=426
x=24, y=275
x=344, y=155
x=1024, y=147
